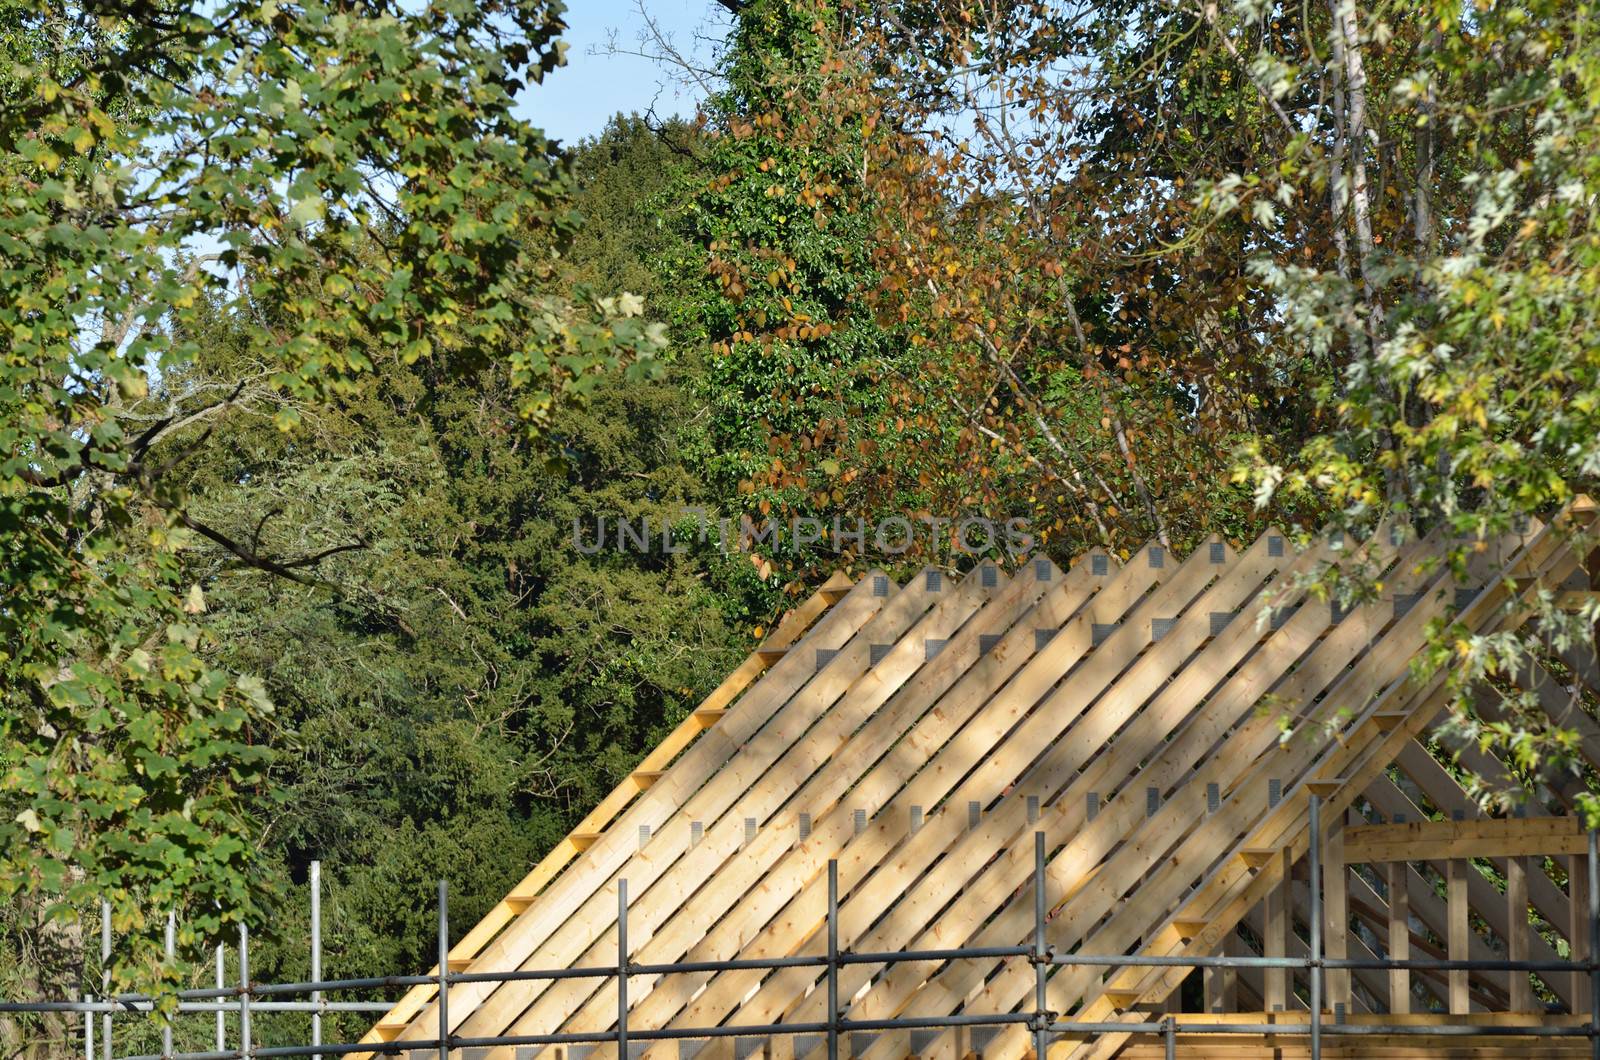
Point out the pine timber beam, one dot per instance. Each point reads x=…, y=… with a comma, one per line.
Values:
x=1132, y=763
x=1576, y=599
x=1253, y=752
x=1105, y=703
x=1254, y=980
x=1195, y=1042
x=1148, y=835
x=722, y=789
x=1445, y=793
x=1448, y=840
x=1123, y=607
x=1126, y=729
x=1442, y=790
x=1417, y=899
x=1373, y=758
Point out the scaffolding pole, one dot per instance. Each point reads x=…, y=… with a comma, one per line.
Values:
x=251, y=998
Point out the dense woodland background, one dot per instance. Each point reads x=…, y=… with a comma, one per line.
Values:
x=306, y=389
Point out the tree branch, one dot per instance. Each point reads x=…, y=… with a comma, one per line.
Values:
x=289, y=569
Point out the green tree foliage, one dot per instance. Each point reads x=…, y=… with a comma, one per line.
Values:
x=339, y=188
x=453, y=695
x=1459, y=303
x=473, y=683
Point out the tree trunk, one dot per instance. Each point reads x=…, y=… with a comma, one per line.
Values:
x=47, y=965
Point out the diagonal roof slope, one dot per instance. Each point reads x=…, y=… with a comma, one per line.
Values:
x=921, y=734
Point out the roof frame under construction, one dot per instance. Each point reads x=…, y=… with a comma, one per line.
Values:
x=1055, y=811
x=920, y=735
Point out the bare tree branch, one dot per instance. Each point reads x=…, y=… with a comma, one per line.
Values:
x=289, y=569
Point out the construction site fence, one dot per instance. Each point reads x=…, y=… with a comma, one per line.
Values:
x=244, y=997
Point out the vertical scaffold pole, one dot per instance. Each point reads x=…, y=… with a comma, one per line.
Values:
x=316, y=955
x=444, y=970
x=1594, y=944
x=105, y=978
x=833, y=959
x=1041, y=1001
x=622, y=970
x=171, y=949
x=245, y=1046
x=1315, y=856
x=222, y=1021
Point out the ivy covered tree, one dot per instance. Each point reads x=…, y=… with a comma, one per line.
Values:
x=798, y=370
x=984, y=348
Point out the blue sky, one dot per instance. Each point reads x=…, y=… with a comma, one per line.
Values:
x=596, y=83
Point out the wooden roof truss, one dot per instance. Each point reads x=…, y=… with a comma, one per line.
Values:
x=1134, y=712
